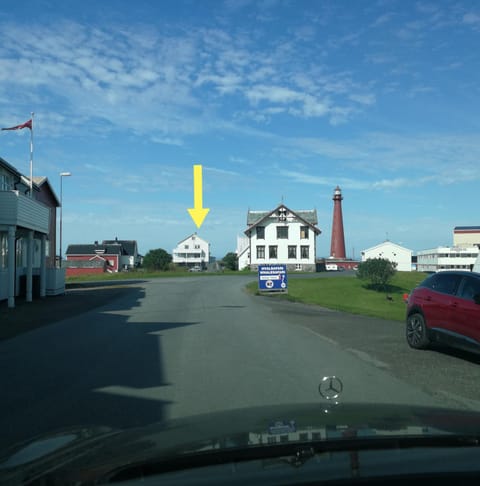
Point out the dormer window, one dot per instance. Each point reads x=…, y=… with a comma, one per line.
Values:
x=282, y=214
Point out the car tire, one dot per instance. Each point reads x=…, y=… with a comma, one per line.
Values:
x=417, y=331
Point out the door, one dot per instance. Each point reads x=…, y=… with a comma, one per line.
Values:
x=466, y=311
x=438, y=301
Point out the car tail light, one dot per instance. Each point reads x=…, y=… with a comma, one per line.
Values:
x=405, y=298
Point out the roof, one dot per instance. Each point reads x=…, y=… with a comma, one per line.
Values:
x=41, y=181
x=93, y=249
x=390, y=243
x=129, y=246
x=196, y=237
x=9, y=167
x=467, y=228
x=308, y=216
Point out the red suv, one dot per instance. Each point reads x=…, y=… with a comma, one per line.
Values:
x=445, y=308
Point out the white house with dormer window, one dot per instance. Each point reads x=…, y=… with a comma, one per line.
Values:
x=279, y=236
x=191, y=252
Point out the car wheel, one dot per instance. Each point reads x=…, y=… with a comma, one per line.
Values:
x=417, y=332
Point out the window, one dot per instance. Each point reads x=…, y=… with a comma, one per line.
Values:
x=260, y=232
x=282, y=232
x=304, y=251
x=292, y=251
x=304, y=232
x=197, y=247
x=260, y=252
x=6, y=182
x=186, y=247
x=272, y=251
x=446, y=284
x=469, y=288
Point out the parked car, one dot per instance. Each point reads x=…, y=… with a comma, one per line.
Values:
x=445, y=308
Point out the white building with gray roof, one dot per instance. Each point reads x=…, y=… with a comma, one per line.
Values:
x=281, y=235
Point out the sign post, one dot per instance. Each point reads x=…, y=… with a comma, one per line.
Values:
x=272, y=278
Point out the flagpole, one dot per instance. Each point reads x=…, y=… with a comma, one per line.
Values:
x=31, y=158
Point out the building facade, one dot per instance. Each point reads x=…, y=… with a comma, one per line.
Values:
x=280, y=236
x=392, y=252
x=466, y=236
x=447, y=258
x=109, y=256
x=27, y=237
x=463, y=255
x=192, y=252
x=129, y=258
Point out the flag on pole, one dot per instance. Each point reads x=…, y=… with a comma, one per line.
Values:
x=27, y=124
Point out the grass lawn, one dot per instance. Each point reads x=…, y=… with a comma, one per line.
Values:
x=349, y=294
x=140, y=275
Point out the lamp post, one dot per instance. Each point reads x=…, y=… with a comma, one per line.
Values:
x=62, y=175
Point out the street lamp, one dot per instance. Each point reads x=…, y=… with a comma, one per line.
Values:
x=62, y=175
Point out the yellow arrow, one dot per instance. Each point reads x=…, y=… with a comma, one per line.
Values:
x=198, y=212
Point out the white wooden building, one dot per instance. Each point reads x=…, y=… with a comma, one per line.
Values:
x=279, y=236
x=390, y=251
x=27, y=237
x=192, y=252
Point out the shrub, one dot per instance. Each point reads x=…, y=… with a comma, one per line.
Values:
x=157, y=260
x=230, y=261
x=377, y=271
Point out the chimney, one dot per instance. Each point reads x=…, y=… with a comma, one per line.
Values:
x=337, y=247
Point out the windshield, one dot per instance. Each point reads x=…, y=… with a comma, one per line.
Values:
x=211, y=206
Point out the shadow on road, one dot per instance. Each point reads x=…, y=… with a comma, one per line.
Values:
x=457, y=353
x=95, y=368
x=26, y=316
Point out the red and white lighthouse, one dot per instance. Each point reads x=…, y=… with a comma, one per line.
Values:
x=337, y=247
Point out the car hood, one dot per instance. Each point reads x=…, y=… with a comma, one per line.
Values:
x=87, y=454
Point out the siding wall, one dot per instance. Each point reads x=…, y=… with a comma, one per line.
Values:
x=293, y=239
x=19, y=210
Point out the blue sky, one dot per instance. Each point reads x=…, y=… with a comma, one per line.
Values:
x=275, y=98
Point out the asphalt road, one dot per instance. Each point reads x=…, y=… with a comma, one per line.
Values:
x=182, y=346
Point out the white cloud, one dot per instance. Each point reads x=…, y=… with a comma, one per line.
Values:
x=274, y=94
x=363, y=99
x=383, y=19
x=222, y=172
x=471, y=18
x=177, y=79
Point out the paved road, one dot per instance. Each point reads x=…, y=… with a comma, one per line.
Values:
x=182, y=346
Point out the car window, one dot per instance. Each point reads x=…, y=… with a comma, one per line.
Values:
x=443, y=282
x=469, y=288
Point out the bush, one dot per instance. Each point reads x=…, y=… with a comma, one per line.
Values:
x=157, y=260
x=378, y=271
x=230, y=261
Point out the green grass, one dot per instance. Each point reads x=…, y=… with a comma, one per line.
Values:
x=349, y=294
x=140, y=275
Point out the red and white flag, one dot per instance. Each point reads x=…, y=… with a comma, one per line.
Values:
x=27, y=124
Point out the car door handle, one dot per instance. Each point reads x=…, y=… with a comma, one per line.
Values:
x=453, y=304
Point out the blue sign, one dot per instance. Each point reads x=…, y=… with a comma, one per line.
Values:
x=272, y=277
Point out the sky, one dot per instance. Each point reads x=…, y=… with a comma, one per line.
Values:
x=278, y=100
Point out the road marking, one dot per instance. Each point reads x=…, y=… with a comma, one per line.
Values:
x=325, y=338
